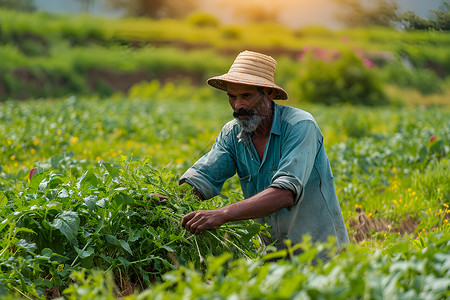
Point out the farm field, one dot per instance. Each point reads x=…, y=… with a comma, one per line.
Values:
x=391, y=168
x=109, y=114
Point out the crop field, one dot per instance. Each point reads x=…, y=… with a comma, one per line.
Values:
x=90, y=207
x=88, y=224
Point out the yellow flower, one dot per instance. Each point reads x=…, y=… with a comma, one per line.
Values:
x=445, y=204
x=9, y=142
x=58, y=132
x=445, y=221
x=394, y=169
x=74, y=139
x=97, y=158
x=32, y=151
x=12, y=157
x=369, y=215
x=36, y=142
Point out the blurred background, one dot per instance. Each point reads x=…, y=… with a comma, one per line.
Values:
x=328, y=51
x=293, y=13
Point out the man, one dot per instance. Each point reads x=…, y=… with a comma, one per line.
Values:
x=279, y=156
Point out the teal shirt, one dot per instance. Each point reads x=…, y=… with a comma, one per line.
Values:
x=294, y=159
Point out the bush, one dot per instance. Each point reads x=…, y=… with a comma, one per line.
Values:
x=424, y=80
x=203, y=20
x=331, y=77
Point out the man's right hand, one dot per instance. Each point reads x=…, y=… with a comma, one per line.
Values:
x=198, y=221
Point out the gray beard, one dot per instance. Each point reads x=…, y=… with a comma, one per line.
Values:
x=249, y=125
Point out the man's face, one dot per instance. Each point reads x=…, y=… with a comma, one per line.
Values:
x=250, y=106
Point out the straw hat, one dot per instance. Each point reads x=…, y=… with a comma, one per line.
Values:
x=250, y=68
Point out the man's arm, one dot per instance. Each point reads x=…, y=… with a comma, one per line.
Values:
x=261, y=205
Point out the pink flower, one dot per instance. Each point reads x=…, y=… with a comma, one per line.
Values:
x=300, y=56
x=368, y=63
x=344, y=39
x=335, y=53
x=33, y=172
x=306, y=49
x=432, y=138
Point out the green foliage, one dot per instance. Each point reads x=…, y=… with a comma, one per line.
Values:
x=355, y=13
x=203, y=20
x=335, y=77
x=440, y=19
x=21, y=5
x=408, y=269
x=106, y=219
x=424, y=80
x=155, y=8
x=82, y=214
x=48, y=55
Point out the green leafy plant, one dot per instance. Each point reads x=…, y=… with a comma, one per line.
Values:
x=107, y=219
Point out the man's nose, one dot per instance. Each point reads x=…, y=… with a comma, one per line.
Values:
x=240, y=103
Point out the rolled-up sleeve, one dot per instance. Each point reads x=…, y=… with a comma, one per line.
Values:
x=299, y=150
x=210, y=172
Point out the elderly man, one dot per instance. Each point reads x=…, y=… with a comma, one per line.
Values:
x=279, y=156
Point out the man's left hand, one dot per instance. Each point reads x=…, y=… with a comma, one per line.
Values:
x=200, y=220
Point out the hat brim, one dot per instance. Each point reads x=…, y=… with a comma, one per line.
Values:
x=220, y=82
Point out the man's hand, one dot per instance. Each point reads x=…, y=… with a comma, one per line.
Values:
x=261, y=205
x=200, y=220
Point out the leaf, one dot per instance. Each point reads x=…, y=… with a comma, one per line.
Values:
x=124, y=261
x=87, y=181
x=3, y=200
x=63, y=194
x=27, y=246
x=123, y=199
x=134, y=236
x=168, y=248
x=84, y=253
x=90, y=202
x=112, y=240
x=126, y=246
x=112, y=171
x=67, y=222
x=36, y=181
x=47, y=252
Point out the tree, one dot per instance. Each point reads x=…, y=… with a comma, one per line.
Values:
x=23, y=5
x=86, y=4
x=156, y=8
x=440, y=20
x=365, y=13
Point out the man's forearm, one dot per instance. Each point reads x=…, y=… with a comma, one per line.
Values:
x=261, y=205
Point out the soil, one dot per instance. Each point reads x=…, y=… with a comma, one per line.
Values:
x=364, y=226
